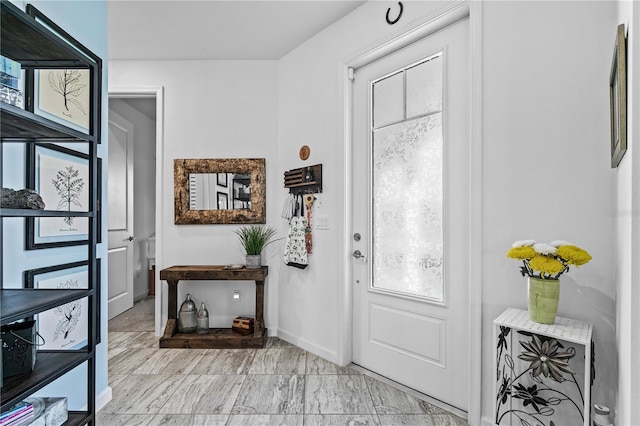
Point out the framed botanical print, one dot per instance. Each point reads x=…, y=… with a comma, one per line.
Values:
x=98, y=288
x=63, y=95
x=618, y=98
x=66, y=95
x=64, y=327
x=223, y=201
x=61, y=177
x=99, y=202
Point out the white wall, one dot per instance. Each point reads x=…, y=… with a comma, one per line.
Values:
x=144, y=182
x=545, y=161
x=627, y=218
x=213, y=109
x=87, y=22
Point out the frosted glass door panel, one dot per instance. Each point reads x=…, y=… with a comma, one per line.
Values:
x=424, y=87
x=388, y=100
x=407, y=207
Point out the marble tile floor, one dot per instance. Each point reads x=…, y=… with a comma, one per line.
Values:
x=279, y=385
x=138, y=318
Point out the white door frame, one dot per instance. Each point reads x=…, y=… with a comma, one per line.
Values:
x=420, y=28
x=157, y=93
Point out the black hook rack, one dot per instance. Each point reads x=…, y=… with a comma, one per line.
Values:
x=305, y=180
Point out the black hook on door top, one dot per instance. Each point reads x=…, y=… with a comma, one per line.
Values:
x=391, y=22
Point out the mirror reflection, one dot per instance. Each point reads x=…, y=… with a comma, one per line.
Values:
x=219, y=191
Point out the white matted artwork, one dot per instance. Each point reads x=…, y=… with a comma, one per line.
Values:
x=63, y=95
x=61, y=177
x=63, y=327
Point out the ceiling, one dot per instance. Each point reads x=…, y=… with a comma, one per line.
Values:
x=212, y=29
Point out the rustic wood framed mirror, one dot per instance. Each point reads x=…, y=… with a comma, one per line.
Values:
x=222, y=191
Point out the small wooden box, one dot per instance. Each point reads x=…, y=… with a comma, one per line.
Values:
x=243, y=325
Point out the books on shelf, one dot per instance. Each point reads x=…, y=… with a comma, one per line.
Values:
x=10, y=73
x=27, y=419
x=19, y=414
x=36, y=411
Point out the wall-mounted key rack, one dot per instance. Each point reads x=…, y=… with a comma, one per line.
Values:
x=305, y=180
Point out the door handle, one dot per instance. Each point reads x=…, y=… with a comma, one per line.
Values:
x=359, y=256
x=131, y=238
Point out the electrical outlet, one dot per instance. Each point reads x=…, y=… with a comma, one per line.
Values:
x=236, y=295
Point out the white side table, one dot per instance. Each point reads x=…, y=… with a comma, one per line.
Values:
x=543, y=372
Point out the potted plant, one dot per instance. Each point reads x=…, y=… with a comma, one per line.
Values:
x=544, y=264
x=254, y=238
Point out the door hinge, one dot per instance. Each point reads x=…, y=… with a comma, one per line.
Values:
x=350, y=75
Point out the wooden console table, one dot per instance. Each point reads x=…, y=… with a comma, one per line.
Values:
x=217, y=337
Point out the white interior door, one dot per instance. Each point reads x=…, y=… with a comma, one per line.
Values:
x=121, y=236
x=410, y=209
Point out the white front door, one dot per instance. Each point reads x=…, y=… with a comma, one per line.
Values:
x=120, y=252
x=410, y=209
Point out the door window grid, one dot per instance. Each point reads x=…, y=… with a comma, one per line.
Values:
x=400, y=109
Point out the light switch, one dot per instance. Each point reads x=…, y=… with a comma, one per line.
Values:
x=322, y=222
x=236, y=295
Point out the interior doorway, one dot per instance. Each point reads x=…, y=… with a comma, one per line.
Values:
x=140, y=107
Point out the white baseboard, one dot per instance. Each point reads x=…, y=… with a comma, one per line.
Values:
x=487, y=421
x=308, y=346
x=104, y=398
x=138, y=297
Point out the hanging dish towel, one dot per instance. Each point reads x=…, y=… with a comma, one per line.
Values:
x=295, y=251
x=289, y=207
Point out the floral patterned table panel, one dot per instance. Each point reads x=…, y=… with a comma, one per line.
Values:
x=540, y=378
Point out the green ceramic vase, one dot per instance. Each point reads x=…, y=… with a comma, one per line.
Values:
x=543, y=300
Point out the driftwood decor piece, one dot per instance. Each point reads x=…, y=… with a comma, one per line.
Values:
x=21, y=199
x=253, y=211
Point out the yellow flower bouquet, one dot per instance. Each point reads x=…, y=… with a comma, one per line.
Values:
x=547, y=261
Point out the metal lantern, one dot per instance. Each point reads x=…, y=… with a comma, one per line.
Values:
x=187, y=321
x=203, y=319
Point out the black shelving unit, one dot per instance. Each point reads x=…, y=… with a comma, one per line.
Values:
x=23, y=126
x=241, y=192
x=25, y=302
x=34, y=41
